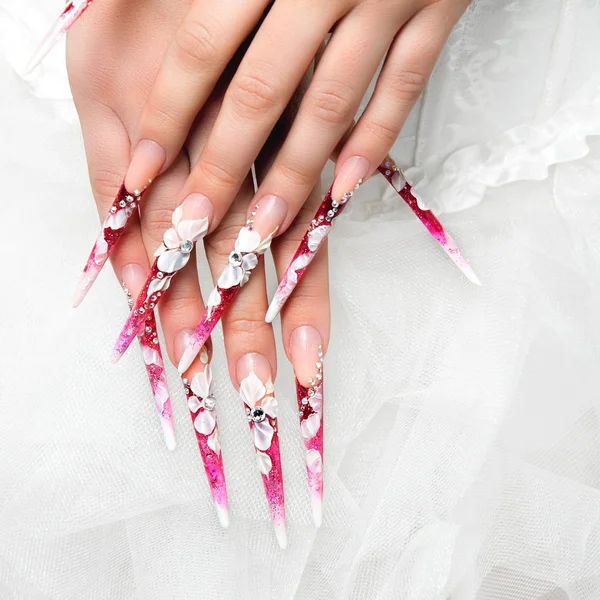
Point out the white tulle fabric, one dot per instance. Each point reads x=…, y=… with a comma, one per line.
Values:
x=462, y=434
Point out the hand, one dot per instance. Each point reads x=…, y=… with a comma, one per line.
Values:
x=111, y=71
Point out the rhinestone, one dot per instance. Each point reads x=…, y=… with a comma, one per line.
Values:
x=132, y=205
x=142, y=310
x=136, y=192
x=185, y=381
x=160, y=275
x=319, y=365
x=388, y=173
x=320, y=217
x=113, y=209
x=148, y=329
x=210, y=402
x=311, y=392
x=301, y=413
x=155, y=341
x=311, y=381
x=122, y=204
x=152, y=305
x=305, y=401
x=319, y=377
x=129, y=331
x=387, y=164
x=330, y=214
x=253, y=213
x=320, y=354
x=335, y=204
x=250, y=228
x=257, y=414
x=186, y=246
x=328, y=219
x=129, y=198
x=235, y=259
x=247, y=410
x=153, y=298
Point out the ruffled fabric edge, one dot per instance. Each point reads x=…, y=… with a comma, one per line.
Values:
x=525, y=152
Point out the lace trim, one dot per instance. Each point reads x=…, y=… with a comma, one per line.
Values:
x=525, y=152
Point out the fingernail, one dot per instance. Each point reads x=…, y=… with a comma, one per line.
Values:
x=257, y=392
x=189, y=224
x=198, y=386
x=389, y=169
x=307, y=359
x=351, y=174
x=264, y=219
x=147, y=161
x=133, y=278
x=313, y=239
x=69, y=15
x=114, y=224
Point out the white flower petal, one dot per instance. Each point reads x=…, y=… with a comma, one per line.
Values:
x=192, y=229
x=161, y=395
x=202, y=383
x=194, y=404
x=265, y=464
x=101, y=249
x=300, y=263
x=245, y=278
x=177, y=214
x=205, y=422
x=156, y=285
x=247, y=240
x=150, y=356
x=263, y=435
x=172, y=260
x=116, y=220
x=213, y=441
x=316, y=401
x=314, y=461
x=316, y=237
x=229, y=277
x=310, y=426
x=249, y=261
x=265, y=244
x=214, y=299
x=171, y=240
x=252, y=390
x=269, y=405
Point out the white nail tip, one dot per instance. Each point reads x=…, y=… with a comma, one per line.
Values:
x=223, y=515
x=281, y=534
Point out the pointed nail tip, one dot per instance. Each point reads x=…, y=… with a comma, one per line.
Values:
x=185, y=362
x=223, y=515
x=281, y=534
x=78, y=297
x=115, y=357
x=170, y=440
x=470, y=275
x=317, y=513
x=271, y=314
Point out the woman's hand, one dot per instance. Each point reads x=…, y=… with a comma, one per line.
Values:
x=113, y=58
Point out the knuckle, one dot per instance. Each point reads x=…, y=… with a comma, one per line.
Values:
x=220, y=244
x=159, y=116
x=381, y=132
x=296, y=175
x=217, y=173
x=105, y=184
x=331, y=102
x=408, y=83
x=254, y=93
x=156, y=220
x=195, y=45
x=246, y=325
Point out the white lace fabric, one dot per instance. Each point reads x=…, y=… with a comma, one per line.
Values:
x=462, y=442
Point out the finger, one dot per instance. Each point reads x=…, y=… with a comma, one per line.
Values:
x=267, y=77
x=250, y=347
x=105, y=160
x=341, y=79
x=305, y=324
x=200, y=50
x=407, y=68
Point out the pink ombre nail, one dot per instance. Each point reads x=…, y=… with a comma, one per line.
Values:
x=257, y=392
x=133, y=276
x=146, y=163
x=198, y=386
x=72, y=11
x=307, y=358
x=389, y=169
x=253, y=240
x=352, y=173
x=190, y=223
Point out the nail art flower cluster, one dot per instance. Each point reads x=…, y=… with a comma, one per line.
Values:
x=202, y=403
x=175, y=251
x=312, y=404
x=261, y=409
x=244, y=258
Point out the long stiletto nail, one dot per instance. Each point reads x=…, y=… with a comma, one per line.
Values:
x=132, y=276
x=307, y=358
x=190, y=223
x=72, y=11
x=253, y=240
x=198, y=386
x=389, y=169
x=146, y=163
x=257, y=392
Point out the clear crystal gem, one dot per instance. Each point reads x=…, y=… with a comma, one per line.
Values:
x=155, y=341
x=160, y=275
x=210, y=402
x=235, y=259
x=257, y=414
x=142, y=310
x=304, y=400
x=311, y=381
x=113, y=209
x=122, y=204
x=311, y=392
x=186, y=246
x=148, y=329
x=319, y=377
